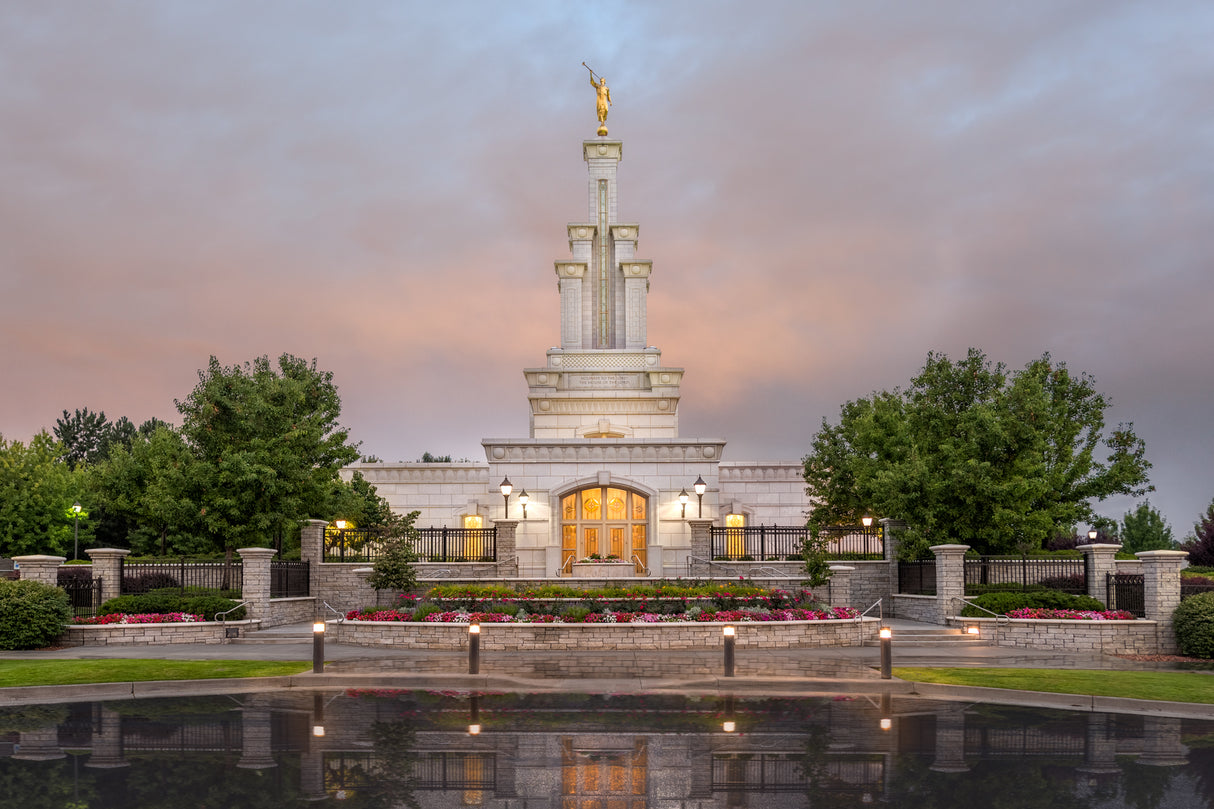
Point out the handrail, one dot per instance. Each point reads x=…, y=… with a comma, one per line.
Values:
x=225, y=612
x=341, y=616
x=636, y=560
x=998, y=618
x=859, y=619
x=568, y=564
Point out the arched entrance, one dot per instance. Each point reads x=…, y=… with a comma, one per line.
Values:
x=604, y=521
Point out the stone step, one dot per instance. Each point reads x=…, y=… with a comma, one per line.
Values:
x=944, y=636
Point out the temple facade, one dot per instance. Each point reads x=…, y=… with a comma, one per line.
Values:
x=603, y=471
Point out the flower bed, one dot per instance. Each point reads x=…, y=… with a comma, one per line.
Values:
x=610, y=617
x=144, y=618
x=1071, y=615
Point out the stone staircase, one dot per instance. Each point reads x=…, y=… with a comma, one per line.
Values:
x=931, y=637
x=287, y=633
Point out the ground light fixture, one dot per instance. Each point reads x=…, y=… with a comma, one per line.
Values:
x=730, y=635
x=524, y=499
x=729, y=725
x=76, y=530
x=887, y=709
x=683, y=498
x=318, y=716
x=887, y=636
x=700, y=486
x=318, y=647
x=474, y=648
x=506, y=487
x=972, y=629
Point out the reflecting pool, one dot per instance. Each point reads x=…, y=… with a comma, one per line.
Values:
x=373, y=748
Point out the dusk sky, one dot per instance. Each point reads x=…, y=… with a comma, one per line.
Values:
x=828, y=191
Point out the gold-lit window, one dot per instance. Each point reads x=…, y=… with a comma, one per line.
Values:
x=474, y=547
x=735, y=539
x=604, y=521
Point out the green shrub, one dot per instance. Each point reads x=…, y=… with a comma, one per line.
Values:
x=1000, y=603
x=575, y=615
x=32, y=614
x=422, y=611
x=1193, y=623
x=162, y=601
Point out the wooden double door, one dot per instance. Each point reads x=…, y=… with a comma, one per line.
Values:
x=607, y=522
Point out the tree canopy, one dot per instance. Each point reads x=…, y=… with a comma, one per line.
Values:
x=37, y=490
x=267, y=446
x=1145, y=529
x=970, y=453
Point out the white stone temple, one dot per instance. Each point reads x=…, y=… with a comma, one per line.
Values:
x=603, y=465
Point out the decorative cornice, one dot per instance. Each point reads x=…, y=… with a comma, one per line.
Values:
x=467, y=472
x=764, y=471
x=602, y=149
x=569, y=269
x=637, y=269
x=580, y=232
x=604, y=450
x=625, y=232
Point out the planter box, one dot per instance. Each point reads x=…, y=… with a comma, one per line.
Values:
x=605, y=637
x=603, y=570
x=208, y=632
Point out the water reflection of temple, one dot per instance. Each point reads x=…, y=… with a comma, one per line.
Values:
x=520, y=752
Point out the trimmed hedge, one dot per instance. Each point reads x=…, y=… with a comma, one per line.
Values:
x=1003, y=603
x=32, y=614
x=1193, y=623
x=162, y=601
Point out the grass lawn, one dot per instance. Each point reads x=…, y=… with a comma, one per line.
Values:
x=1170, y=686
x=78, y=672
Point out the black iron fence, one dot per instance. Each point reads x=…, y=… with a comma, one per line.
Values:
x=84, y=593
x=1126, y=591
x=289, y=579
x=917, y=578
x=143, y=577
x=993, y=573
x=1194, y=585
x=431, y=545
x=775, y=543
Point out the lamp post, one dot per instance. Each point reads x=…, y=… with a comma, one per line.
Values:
x=506, y=487
x=700, y=486
x=730, y=639
x=683, y=498
x=318, y=647
x=76, y=530
x=524, y=499
x=474, y=648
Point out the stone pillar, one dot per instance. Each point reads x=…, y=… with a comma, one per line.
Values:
x=312, y=545
x=1099, y=560
x=107, y=743
x=507, y=547
x=1161, y=592
x=950, y=741
x=256, y=577
x=1100, y=757
x=889, y=542
x=701, y=542
x=256, y=735
x=40, y=568
x=107, y=566
x=569, y=275
x=950, y=580
x=840, y=585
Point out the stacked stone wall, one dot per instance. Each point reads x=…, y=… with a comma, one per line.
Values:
x=1097, y=637
x=153, y=634
x=592, y=637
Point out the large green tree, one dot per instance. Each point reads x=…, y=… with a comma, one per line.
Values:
x=267, y=447
x=37, y=490
x=973, y=454
x=88, y=437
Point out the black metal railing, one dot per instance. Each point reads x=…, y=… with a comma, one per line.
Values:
x=776, y=543
x=143, y=577
x=1126, y=591
x=994, y=573
x=917, y=578
x=85, y=595
x=289, y=579
x=430, y=545
x=1194, y=585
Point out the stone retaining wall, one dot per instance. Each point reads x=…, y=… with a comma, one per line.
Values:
x=1097, y=637
x=209, y=632
x=914, y=608
x=289, y=611
x=592, y=637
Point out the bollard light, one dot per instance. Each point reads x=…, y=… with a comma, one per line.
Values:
x=318, y=647
x=318, y=716
x=729, y=725
x=729, y=633
x=474, y=648
x=474, y=715
x=886, y=634
x=887, y=708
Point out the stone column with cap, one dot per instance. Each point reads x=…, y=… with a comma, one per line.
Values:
x=107, y=566
x=255, y=587
x=840, y=585
x=1100, y=560
x=39, y=568
x=950, y=580
x=1161, y=592
x=507, y=547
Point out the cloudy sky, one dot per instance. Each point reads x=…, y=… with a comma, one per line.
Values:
x=827, y=190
